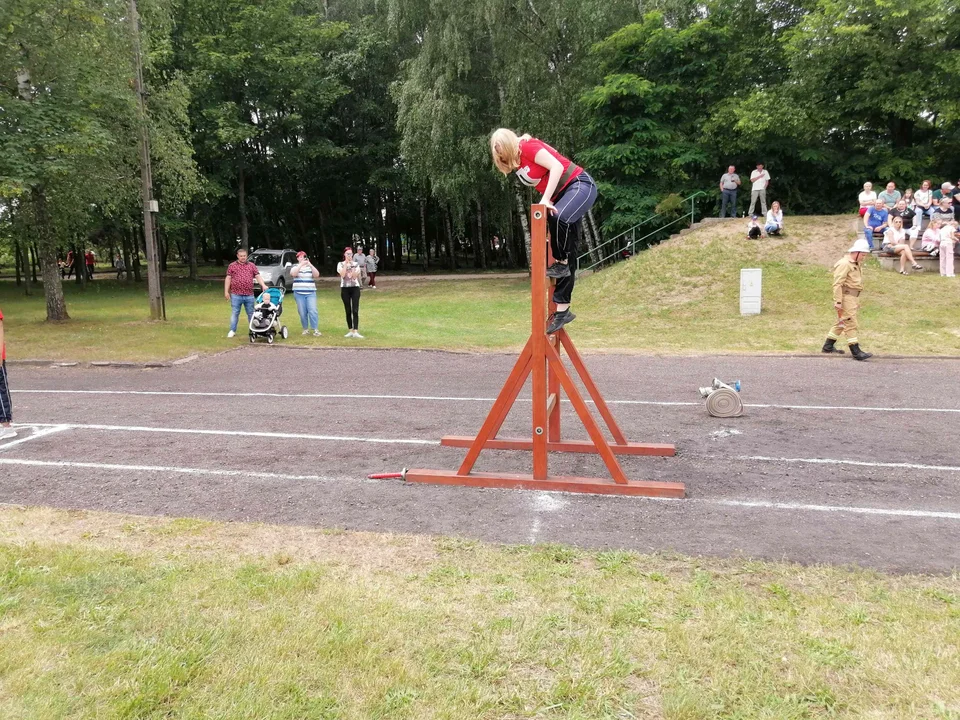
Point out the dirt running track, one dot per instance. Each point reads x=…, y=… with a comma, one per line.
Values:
x=834, y=462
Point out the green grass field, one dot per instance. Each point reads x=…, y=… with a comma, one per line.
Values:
x=680, y=297
x=109, y=616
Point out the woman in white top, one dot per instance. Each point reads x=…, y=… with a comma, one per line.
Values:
x=923, y=200
x=774, y=224
x=867, y=198
x=895, y=241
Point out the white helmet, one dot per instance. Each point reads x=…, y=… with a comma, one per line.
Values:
x=861, y=245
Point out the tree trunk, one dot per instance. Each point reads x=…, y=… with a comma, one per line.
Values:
x=22, y=266
x=242, y=197
x=192, y=234
x=80, y=266
x=451, y=251
x=52, y=288
x=127, y=256
x=484, y=245
x=424, y=243
x=163, y=245
x=597, y=238
x=525, y=223
x=135, y=249
x=16, y=262
x=218, y=242
x=34, y=261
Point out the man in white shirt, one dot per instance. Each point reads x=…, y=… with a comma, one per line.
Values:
x=758, y=190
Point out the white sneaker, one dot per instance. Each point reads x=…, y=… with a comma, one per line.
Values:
x=316, y=333
x=231, y=333
x=349, y=334
x=305, y=332
x=7, y=433
x=358, y=336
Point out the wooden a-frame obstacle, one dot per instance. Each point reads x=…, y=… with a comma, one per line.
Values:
x=541, y=359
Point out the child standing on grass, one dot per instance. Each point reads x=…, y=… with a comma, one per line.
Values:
x=948, y=237
x=6, y=407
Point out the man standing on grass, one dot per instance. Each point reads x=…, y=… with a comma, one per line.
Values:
x=729, y=183
x=238, y=288
x=6, y=407
x=847, y=286
x=760, y=180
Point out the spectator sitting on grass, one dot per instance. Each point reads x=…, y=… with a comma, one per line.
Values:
x=930, y=242
x=774, y=224
x=875, y=222
x=753, y=229
x=895, y=241
x=910, y=222
x=867, y=198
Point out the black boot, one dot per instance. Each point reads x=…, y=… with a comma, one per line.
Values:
x=859, y=354
x=829, y=347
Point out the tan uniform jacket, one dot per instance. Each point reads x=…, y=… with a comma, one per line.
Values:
x=846, y=274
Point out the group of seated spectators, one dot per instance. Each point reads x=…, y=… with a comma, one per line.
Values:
x=773, y=224
x=924, y=220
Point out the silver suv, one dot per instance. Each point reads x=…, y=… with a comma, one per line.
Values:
x=275, y=266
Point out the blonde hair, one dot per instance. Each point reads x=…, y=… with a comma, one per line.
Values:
x=505, y=149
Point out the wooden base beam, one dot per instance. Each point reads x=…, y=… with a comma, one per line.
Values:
x=574, y=446
x=511, y=481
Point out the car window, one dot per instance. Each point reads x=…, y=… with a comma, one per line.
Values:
x=289, y=258
x=265, y=259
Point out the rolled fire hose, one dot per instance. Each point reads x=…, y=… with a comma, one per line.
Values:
x=724, y=403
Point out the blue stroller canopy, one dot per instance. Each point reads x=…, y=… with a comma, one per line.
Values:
x=276, y=295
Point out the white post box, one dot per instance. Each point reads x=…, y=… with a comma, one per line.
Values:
x=750, y=282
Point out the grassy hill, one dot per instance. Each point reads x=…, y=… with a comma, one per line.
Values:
x=683, y=296
x=679, y=297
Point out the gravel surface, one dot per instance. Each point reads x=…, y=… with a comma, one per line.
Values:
x=888, y=498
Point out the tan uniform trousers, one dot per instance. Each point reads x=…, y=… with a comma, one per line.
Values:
x=847, y=324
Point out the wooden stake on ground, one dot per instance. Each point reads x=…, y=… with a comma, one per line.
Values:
x=541, y=360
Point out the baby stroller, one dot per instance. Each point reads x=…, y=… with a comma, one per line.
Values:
x=265, y=321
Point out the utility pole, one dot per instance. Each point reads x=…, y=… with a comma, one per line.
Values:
x=154, y=284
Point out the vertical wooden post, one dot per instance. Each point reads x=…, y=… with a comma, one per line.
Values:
x=538, y=317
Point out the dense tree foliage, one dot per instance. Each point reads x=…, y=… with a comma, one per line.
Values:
x=318, y=123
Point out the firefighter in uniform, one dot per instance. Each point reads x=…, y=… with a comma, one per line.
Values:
x=847, y=286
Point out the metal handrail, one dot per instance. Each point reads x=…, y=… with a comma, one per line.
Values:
x=634, y=240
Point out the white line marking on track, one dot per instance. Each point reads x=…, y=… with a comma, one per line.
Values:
x=242, y=433
x=857, y=463
x=896, y=512
x=452, y=398
x=165, y=468
x=548, y=506
x=48, y=430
